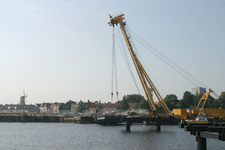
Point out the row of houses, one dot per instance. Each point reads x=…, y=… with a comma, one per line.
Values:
x=16, y=108
x=106, y=107
x=37, y=108
x=54, y=108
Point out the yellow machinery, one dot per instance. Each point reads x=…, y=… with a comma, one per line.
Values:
x=209, y=112
x=143, y=76
x=180, y=113
x=204, y=97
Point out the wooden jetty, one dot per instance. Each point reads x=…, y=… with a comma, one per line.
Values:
x=150, y=120
x=215, y=130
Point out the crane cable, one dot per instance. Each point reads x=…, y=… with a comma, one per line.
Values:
x=114, y=69
x=169, y=62
x=138, y=55
x=123, y=51
x=112, y=75
x=174, y=68
x=126, y=59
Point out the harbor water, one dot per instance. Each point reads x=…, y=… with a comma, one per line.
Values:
x=68, y=136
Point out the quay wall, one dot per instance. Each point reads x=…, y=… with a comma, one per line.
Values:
x=21, y=118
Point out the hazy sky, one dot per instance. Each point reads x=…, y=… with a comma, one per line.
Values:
x=62, y=50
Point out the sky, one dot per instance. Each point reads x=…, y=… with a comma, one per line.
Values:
x=62, y=50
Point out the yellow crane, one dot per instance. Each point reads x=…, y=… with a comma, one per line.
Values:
x=199, y=110
x=204, y=97
x=143, y=76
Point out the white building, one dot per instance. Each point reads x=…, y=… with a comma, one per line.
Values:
x=198, y=90
x=16, y=108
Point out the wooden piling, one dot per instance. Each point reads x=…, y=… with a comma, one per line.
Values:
x=201, y=143
x=158, y=125
x=128, y=124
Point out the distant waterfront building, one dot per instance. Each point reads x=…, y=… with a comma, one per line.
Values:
x=56, y=107
x=16, y=108
x=45, y=107
x=156, y=103
x=107, y=108
x=198, y=90
x=74, y=107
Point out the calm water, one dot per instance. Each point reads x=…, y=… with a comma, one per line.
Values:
x=59, y=136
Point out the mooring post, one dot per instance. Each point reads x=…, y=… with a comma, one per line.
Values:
x=201, y=143
x=158, y=124
x=128, y=126
x=9, y=117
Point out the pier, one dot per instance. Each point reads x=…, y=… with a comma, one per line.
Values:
x=149, y=120
x=202, y=131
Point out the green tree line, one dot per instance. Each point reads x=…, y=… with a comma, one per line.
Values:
x=66, y=106
x=189, y=100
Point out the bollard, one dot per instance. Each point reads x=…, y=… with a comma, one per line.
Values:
x=158, y=124
x=201, y=143
x=128, y=126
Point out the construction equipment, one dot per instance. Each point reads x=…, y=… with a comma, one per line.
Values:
x=180, y=113
x=88, y=102
x=204, y=97
x=209, y=112
x=97, y=109
x=143, y=76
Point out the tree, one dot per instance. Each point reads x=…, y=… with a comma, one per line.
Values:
x=136, y=106
x=210, y=103
x=221, y=99
x=144, y=104
x=66, y=106
x=61, y=106
x=160, y=108
x=171, y=101
x=182, y=104
x=188, y=98
x=197, y=98
x=118, y=102
x=99, y=105
x=133, y=98
x=124, y=105
x=80, y=106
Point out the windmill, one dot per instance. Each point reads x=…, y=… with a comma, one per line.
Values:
x=23, y=99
